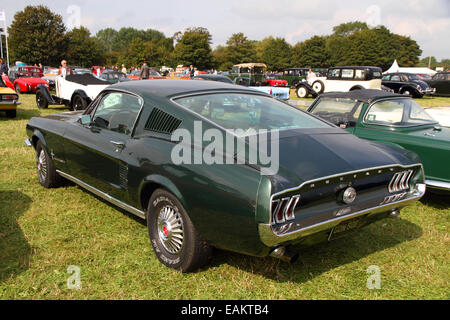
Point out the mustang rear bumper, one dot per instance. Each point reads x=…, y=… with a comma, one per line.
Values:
x=270, y=239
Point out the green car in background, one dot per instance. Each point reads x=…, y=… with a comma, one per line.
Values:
x=392, y=119
x=294, y=75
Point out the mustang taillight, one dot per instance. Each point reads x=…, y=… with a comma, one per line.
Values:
x=400, y=181
x=284, y=209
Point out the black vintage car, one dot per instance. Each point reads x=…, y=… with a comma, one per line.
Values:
x=407, y=83
x=441, y=82
x=127, y=145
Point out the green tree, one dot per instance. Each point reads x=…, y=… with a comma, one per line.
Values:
x=82, y=48
x=445, y=63
x=349, y=28
x=194, y=47
x=275, y=53
x=135, y=54
x=156, y=53
x=311, y=53
x=106, y=39
x=409, y=52
x=37, y=35
x=125, y=36
x=238, y=50
x=220, y=59
x=380, y=47
x=337, y=48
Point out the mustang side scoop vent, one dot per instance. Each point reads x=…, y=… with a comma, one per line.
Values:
x=162, y=122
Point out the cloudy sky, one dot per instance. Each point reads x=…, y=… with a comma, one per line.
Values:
x=427, y=22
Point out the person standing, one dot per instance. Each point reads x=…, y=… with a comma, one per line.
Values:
x=3, y=68
x=145, y=71
x=311, y=74
x=124, y=70
x=64, y=70
x=191, y=71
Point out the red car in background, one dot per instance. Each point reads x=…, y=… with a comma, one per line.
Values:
x=273, y=81
x=25, y=79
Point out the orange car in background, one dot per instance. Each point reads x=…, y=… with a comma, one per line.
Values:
x=177, y=75
x=135, y=74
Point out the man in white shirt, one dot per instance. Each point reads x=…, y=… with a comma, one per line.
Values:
x=64, y=70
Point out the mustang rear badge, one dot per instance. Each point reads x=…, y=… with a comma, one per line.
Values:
x=349, y=195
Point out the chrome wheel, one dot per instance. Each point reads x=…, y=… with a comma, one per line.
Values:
x=42, y=166
x=170, y=229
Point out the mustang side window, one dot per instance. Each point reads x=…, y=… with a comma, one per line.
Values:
x=117, y=112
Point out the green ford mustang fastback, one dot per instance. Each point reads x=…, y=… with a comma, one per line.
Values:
x=210, y=164
x=395, y=120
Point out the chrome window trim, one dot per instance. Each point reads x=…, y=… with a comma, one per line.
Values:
x=103, y=195
x=338, y=175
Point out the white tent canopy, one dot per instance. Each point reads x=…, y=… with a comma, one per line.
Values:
x=395, y=68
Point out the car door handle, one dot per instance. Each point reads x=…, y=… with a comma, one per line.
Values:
x=119, y=145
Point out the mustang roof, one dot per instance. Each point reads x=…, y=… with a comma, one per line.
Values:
x=365, y=95
x=171, y=87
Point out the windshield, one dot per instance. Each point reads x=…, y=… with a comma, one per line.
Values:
x=339, y=111
x=398, y=112
x=247, y=111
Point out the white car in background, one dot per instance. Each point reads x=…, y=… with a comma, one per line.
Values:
x=75, y=91
x=341, y=79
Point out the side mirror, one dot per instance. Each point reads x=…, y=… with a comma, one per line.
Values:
x=85, y=120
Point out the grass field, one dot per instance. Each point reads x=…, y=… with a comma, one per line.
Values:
x=44, y=231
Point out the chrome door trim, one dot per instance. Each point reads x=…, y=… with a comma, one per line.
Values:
x=103, y=195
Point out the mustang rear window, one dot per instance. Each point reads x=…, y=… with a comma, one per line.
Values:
x=248, y=111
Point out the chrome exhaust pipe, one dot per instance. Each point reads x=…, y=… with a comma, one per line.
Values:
x=285, y=255
x=395, y=213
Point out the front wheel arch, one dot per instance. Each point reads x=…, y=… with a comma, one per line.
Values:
x=38, y=136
